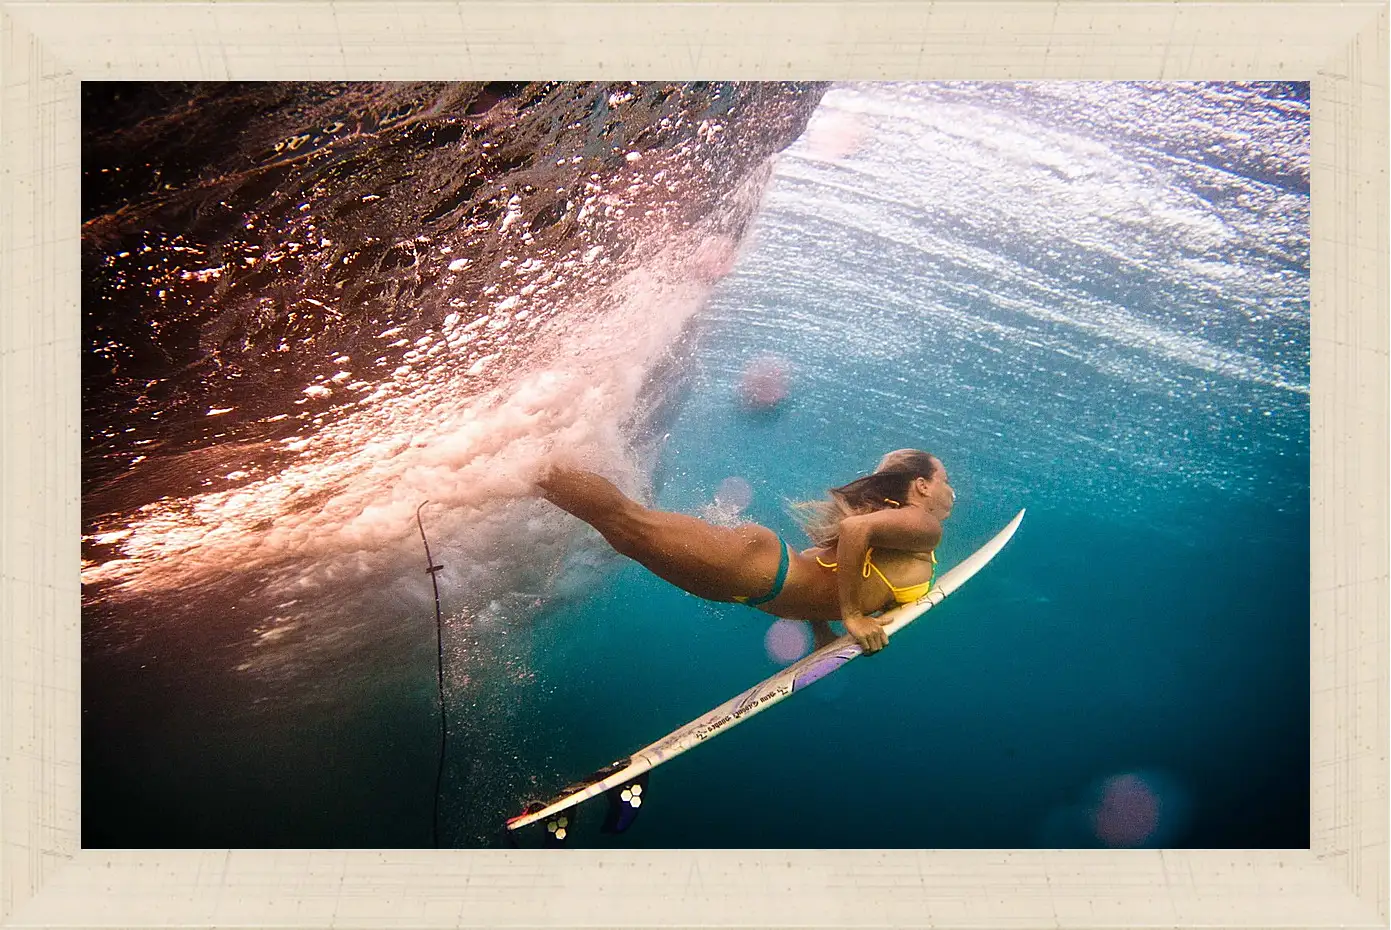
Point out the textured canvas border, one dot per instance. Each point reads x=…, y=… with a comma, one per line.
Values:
x=47, y=48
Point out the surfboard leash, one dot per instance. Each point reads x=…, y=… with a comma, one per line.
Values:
x=432, y=570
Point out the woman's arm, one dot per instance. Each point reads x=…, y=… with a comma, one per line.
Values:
x=908, y=528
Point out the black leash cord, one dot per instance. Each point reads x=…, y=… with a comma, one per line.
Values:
x=431, y=570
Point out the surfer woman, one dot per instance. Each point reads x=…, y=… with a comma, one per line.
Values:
x=886, y=525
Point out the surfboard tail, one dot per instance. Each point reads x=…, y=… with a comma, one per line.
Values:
x=553, y=830
x=594, y=784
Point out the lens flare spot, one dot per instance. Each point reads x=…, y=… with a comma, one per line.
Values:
x=734, y=494
x=1139, y=809
x=787, y=641
x=764, y=384
x=1127, y=812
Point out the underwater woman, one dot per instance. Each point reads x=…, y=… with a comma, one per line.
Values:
x=887, y=525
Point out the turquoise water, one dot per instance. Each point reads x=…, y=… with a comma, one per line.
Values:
x=1150, y=619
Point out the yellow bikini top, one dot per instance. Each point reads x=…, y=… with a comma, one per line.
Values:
x=901, y=595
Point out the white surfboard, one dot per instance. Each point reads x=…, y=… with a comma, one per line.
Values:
x=628, y=774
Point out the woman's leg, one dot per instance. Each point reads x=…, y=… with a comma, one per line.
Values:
x=713, y=562
x=821, y=634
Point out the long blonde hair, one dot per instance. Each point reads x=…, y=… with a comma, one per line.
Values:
x=883, y=489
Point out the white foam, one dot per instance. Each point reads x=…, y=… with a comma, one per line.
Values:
x=343, y=514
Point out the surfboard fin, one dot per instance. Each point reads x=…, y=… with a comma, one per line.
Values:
x=624, y=801
x=558, y=829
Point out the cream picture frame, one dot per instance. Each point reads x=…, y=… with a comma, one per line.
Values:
x=48, y=48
